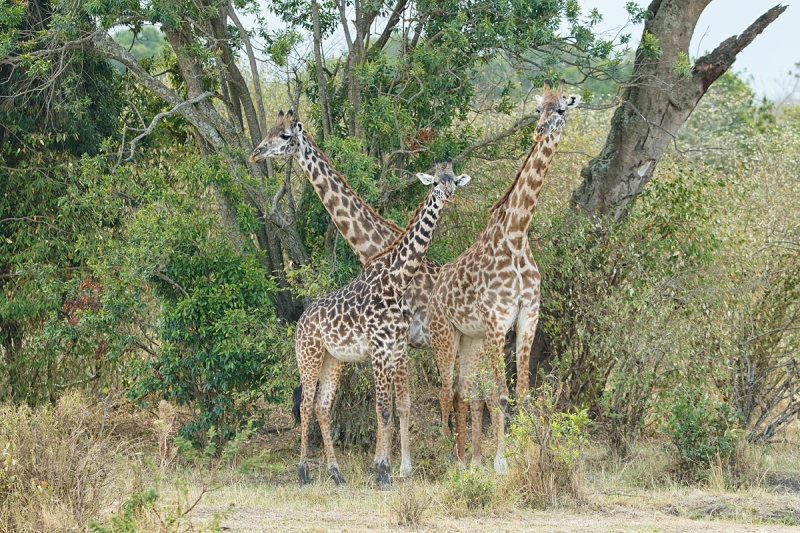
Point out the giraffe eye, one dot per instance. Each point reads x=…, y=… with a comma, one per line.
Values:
x=560, y=111
x=286, y=136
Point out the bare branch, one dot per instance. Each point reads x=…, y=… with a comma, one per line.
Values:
x=161, y=115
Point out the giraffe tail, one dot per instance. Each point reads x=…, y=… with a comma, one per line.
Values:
x=297, y=397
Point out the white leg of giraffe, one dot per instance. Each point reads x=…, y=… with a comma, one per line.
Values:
x=328, y=381
x=403, y=403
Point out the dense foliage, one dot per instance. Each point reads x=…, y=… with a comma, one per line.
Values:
x=172, y=269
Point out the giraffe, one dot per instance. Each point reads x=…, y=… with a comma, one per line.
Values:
x=367, y=233
x=492, y=287
x=369, y=318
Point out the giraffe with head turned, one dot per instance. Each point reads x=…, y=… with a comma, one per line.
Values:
x=369, y=318
x=493, y=287
x=367, y=233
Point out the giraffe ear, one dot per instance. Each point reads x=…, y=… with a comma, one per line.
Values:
x=573, y=100
x=298, y=126
x=427, y=179
x=462, y=180
x=539, y=99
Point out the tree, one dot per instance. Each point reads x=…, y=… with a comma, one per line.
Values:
x=662, y=92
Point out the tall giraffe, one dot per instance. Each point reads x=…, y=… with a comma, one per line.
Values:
x=367, y=233
x=492, y=287
x=369, y=318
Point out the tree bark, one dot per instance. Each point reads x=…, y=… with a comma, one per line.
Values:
x=655, y=105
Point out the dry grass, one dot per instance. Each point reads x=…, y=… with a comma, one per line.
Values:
x=90, y=470
x=60, y=466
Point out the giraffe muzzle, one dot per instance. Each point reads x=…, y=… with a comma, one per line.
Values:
x=257, y=155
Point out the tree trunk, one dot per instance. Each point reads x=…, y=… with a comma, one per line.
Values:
x=655, y=105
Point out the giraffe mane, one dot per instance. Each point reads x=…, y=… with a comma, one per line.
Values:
x=503, y=199
x=392, y=225
x=389, y=249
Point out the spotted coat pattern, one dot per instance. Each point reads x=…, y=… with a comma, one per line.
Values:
x=491, y=288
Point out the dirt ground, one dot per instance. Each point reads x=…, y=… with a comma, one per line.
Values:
x=252, y=519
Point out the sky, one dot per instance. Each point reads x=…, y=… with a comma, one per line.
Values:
x=768, y=59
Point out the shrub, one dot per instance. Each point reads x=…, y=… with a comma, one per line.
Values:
x=56, y=470
x=469, y=489
x=703, y=433
x=548, y=449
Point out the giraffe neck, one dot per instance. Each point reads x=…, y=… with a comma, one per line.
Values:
x=407, y=255
x=515, y=210
x=367, y=233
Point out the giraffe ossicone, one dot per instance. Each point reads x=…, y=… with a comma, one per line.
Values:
x=491, y=288
x=369, y=319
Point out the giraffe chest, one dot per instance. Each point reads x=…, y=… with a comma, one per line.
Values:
x=493, y=292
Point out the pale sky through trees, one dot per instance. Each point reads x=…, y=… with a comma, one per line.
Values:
x=768, y=58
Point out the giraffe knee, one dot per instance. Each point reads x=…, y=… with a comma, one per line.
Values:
x=385, y=414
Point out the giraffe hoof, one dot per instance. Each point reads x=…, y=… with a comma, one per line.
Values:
x=382, y=475
x=336, y=476
x=302, y=473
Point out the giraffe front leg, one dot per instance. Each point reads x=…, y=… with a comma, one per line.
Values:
x=476, y=406
x=403, y=402
x=328, y=381
x=384, y=377
x=497, y=397
x=309, y=361
x=498, y=422
x=467, y=358
x=444, y=340
x=527, y=322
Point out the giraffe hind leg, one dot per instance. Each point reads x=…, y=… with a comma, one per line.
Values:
x=328, y=381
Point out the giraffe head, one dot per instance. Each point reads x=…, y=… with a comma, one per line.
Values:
x=283, y=139
x=552, y=110
x=446, y=182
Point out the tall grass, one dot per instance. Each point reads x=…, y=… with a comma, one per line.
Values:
x=58, y=466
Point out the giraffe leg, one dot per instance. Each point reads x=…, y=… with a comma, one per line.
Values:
x=384, y=370
x=328, y=380
x=444, y=340
x=309, y=361
x=476, y=408
x=498, y=421
x=466, y=386
x=497, y=396
x=403, y=402
x=527, y=320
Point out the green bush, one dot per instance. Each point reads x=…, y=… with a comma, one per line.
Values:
x=547, y=449
x=702, y=431
x=470, y=489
